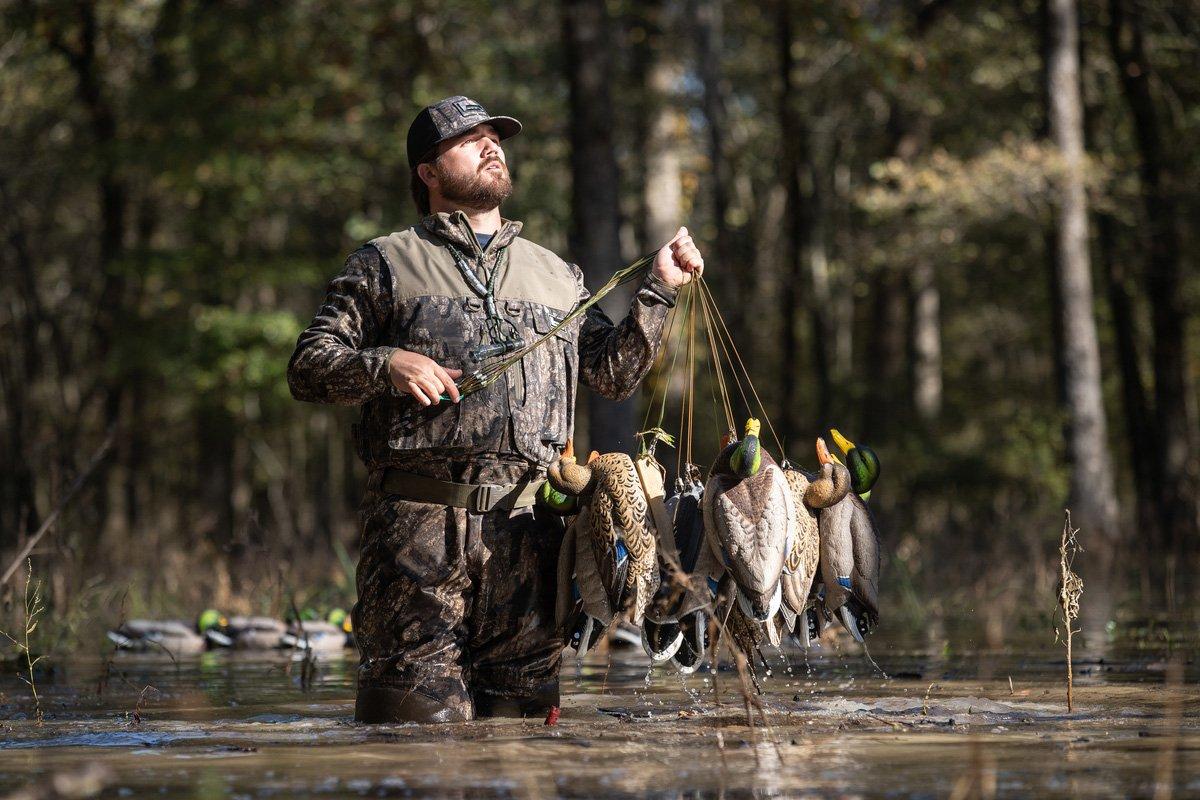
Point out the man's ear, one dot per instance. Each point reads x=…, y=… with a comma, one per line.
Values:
x=427, y=173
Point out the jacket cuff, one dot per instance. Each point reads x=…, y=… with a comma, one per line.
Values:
x=658, y=290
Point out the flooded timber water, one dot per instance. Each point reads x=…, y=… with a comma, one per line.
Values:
x=920, y=725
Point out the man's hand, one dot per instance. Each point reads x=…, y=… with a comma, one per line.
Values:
x=422, y=377
x=678, y=262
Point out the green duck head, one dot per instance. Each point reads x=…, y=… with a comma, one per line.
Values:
x=746, y=458
x=210, y=619
x=340, y=618
x=862, y=463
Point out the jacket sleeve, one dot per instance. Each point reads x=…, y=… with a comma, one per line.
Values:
x=338, y=358
x=613, y=359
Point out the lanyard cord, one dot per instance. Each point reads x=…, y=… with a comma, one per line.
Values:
x=502, y=333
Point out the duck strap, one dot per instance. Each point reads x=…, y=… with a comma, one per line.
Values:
x=652, y=477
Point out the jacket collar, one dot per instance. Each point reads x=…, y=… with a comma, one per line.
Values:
x=454, y=227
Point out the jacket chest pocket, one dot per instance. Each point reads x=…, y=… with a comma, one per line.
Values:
x=542, y=392
x=444, y=329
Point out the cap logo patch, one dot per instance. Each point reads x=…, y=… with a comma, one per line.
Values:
x=468, y=107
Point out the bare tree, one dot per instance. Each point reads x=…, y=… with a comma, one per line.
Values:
x=1093, y=497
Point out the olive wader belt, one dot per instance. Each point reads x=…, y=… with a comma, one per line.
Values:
x=476, y=498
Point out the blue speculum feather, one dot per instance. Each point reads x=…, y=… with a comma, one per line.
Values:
x=844, y=580
x=622, y=551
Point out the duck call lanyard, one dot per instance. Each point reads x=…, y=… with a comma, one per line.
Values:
x=501, y=333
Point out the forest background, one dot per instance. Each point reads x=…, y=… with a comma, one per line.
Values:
x=963, y=233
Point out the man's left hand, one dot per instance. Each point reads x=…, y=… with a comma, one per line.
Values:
x=678, y=262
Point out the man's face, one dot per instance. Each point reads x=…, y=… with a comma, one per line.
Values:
x=470, y=170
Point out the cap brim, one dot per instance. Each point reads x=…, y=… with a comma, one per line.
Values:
x=505, y=126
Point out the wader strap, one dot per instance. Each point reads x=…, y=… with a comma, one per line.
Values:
x=476, y=498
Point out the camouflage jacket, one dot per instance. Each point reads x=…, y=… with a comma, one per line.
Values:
x=405, y=291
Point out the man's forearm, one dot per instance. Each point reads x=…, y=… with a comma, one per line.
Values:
x=613, y=359
x=323, y=370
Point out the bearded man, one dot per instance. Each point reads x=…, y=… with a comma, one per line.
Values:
x=457, y=569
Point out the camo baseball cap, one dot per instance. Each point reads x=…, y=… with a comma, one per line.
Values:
x=446, y=119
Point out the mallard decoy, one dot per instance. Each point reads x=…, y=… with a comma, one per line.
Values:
x=248, y=633
x=849, y=559
x=342, y=619
x=862, y=463
x=675, y=627
x=174, y=637
x=749, y=520
x=618, y=523
x=318, y=636
x=810, y=494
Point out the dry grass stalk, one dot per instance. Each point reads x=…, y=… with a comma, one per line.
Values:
x=1070, y=589
x=34, y=606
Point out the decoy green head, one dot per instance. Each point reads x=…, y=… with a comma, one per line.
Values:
x=336, y=616
x=747, y=456
x=209, y=619
x=862, y=463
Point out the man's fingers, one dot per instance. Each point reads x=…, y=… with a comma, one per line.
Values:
x=454, y=373
x=679, y=234
x=415, y=390
x=448, y=386
x=431, y=387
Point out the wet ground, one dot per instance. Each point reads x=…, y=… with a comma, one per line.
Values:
x=919, y=725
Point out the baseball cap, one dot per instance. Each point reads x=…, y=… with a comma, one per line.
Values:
x=446, y=119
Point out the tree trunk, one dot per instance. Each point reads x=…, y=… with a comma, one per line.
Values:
x=1092, y=497
x=595, y=213
x=926, y=342
x=1177, y=437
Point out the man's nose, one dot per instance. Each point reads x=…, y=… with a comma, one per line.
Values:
x=491, y=149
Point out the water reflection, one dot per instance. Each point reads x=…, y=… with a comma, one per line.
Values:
x=941, y=722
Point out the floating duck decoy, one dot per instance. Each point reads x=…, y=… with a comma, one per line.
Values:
x=248, y=633
x=318, y=636
x=174, y=637
x=749, y=520
x=608, y=559
x=849, y=557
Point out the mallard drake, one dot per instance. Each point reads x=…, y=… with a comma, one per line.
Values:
x=849, y=559
x=675, y=627
x=861, y=462
x=749, y=520
x=613, y=523
x=174, y=637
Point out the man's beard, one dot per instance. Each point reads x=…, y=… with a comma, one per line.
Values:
x=481, y=191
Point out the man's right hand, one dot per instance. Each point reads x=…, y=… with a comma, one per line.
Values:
x=422, y=377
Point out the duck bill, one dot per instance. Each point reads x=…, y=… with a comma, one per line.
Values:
x=844, y=444
x=823, y=455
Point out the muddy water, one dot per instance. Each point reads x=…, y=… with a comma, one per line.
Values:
x=934, y=726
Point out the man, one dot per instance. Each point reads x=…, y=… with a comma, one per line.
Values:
x=456, y=577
